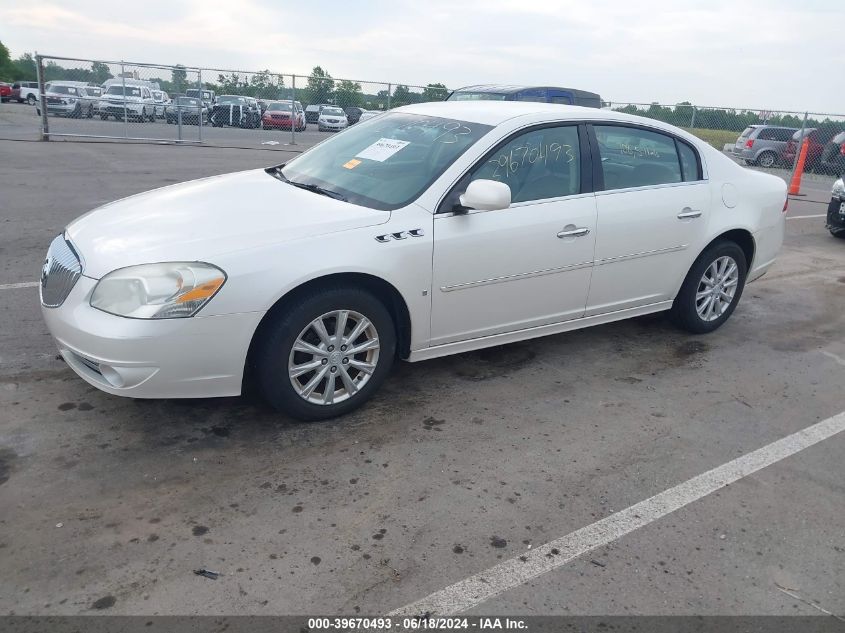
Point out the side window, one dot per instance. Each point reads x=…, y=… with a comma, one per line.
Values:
x=690, y=165
x=538, y=164
x=535, y=95
x=768, y=134
x=561, y=99
x=633, y=157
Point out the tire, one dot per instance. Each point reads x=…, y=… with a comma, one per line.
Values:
x=90, y=111
x=767, y=159
x=31, y=100
x=840, y=233
x=104, y=117
x=273, y=354
x=77, y=112
x=685, y=309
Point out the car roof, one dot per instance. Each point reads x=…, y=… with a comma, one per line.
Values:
x=497, y=112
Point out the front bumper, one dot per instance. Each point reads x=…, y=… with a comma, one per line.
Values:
x=836, y=214
x=107, y=107
x=63, y=108
x=324, y=125
x=198, y=357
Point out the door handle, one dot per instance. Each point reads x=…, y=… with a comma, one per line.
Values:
x=579, y=232
x=687, y=213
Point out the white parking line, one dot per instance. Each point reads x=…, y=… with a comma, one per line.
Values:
x=804, y=217
x=514, y=572
x=24, y=284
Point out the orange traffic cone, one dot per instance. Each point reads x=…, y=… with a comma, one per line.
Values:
x=795, y=185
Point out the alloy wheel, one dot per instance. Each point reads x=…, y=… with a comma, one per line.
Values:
x=717, y=288
x=334, y=357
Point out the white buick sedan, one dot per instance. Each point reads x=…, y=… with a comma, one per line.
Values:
x=433, y=229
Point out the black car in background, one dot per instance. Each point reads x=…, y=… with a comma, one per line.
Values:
x=235, y=111
x=187, y=110
x=353, y=114
x=833, y=156
x=836, y=210
x=540, y=94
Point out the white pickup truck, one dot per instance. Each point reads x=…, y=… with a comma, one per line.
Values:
x=25, y=91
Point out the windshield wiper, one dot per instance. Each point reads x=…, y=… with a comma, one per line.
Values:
x=277, y=172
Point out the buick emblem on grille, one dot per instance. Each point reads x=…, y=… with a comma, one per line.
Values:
x=45, y=269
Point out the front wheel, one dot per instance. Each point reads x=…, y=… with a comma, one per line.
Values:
x=326, y=355
x=767, y=159
x=31, y=100
x=712, y=288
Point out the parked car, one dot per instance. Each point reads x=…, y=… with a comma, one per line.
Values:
x=762, y=145
x=332, y=119
x=369, y=114
x=435, y=229
x=68, y=99
x=190, y=110
x=283, y=115
x=207, y=96
x=312, y=112
x=836, y=210
x=25, y=91
x=132, y=102
x=236, y=111
x=540, y=94
x=5, y=92
x=353, y=114
x=162, y=100
x=833, y=156
x=816, y=139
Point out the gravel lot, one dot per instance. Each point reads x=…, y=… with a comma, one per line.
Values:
x=458, y=464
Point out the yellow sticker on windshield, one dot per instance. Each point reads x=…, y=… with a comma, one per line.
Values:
x=352, y=164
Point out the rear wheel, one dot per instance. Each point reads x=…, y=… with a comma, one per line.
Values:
x=767, y=159
x=840, y=233
x=31, y=99
x=712, y=288
x=327, y=354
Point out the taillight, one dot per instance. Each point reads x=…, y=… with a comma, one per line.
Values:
x=842, y=149
x=749, y=143
x=785, y=204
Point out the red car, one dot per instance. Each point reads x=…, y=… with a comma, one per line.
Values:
x=816, y=140
x=278, y=116
x=5, y=91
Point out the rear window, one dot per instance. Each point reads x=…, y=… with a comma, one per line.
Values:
x=746, y=132
x=477, y=96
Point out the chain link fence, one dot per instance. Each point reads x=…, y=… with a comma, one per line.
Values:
x=123, y=100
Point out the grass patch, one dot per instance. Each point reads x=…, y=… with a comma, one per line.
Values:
x=716, y=138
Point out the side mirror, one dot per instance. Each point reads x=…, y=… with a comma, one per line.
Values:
x=486, y=195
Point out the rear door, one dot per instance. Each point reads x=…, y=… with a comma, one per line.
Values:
x=652, y=211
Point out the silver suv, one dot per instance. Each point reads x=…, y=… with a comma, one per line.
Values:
x=762, y=145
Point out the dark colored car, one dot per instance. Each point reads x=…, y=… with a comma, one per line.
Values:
x=235, y=111
x=353, y=114
x=816, y=138
x=833, y=156
x=5, y=92
x=541, y=94
x=189, y=109
x=836, y=210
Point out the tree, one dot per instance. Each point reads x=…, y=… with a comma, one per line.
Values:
x=348, y=93
x=401, y=96
x=7, y=70
x=179, y=78
x=435, y=92
x=25, y=68
x=100, y=72
x=320, y=86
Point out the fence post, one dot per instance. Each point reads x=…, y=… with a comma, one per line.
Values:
x=293, y=109
x=199, y=114
x=42, y=99
x=125, y=115
x=692, y=121
x=389, y=90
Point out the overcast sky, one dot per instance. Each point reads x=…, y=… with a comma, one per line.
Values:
x=776, y=54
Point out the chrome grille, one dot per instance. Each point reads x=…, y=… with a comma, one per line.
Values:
x=60, y=272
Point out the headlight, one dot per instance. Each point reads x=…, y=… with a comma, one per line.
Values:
x=71, y=100
x=158, y=291
x=839, y=189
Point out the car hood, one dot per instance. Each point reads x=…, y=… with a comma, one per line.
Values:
x=196, y=220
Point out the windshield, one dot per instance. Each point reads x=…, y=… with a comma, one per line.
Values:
x=231, y=99
x=477, y=96
x=282, y=107
x=331, y=111
x=388, y=161
x=94, y=92
x=63, y=90
x=131, y=91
